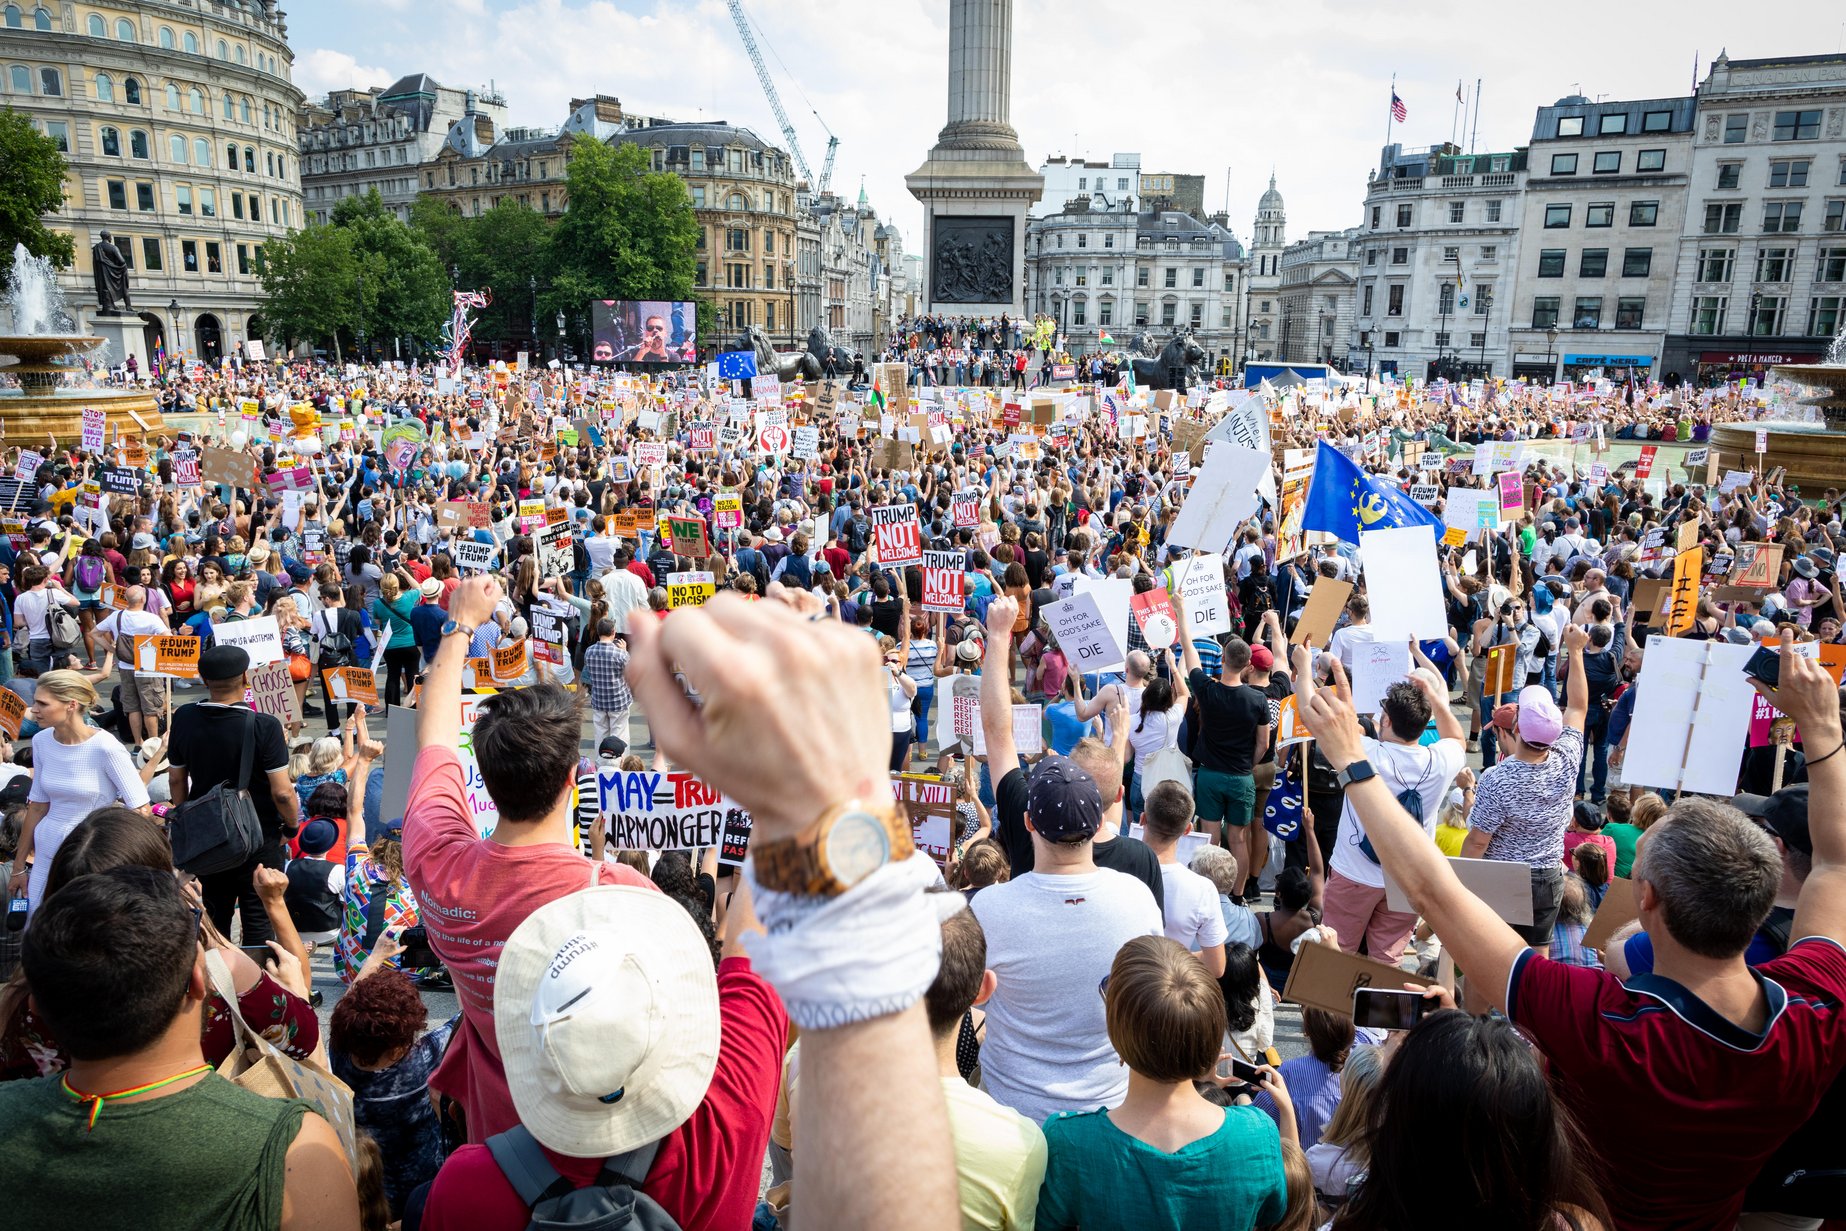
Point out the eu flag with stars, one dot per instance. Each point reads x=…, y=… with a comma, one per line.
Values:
x=1344, y=500
x=737, y=365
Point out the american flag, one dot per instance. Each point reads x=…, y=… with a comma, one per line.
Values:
x=1397, y=108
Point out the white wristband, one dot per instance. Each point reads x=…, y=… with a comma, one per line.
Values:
x=870, y=952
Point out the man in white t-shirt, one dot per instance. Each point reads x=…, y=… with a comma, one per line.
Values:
x=39, y=588
x=1345, y=642
x=1355, y=895
x=1052, y=936
x=1191, y=908
x=144, y=697
x=623, y=589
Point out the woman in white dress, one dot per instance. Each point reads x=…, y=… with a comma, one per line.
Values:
x=75, y=770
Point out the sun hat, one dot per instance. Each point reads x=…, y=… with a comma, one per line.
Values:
x=606, y=1011
x=430, y=587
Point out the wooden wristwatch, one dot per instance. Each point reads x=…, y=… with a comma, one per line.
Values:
x=850, y=842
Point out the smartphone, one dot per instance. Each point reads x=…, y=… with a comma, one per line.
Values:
x=1765, y=665
x=1241, y=1070
x=1379, y=1009
x=262, y=955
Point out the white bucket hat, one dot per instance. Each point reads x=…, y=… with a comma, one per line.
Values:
x=606, y=1010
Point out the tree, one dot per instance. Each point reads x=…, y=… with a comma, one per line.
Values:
x=507, y=249
x=627, y=233
x=401, y=288
x=441, y=226
x=31, y=187
x=310, y=279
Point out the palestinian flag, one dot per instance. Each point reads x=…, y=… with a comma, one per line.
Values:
x=1105, y=339
x=878, y=395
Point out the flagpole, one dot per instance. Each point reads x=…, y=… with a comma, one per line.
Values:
x=1391, y=110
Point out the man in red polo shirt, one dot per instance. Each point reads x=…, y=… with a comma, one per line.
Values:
x=1688, y=1079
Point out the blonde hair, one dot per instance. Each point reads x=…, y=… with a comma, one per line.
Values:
x=1645, y=809
x=324, y=755
x=1358, y=1090
x=1303, y=1212
x=390, y=587
x=68, y=686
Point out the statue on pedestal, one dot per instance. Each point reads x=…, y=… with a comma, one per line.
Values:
x=111, y=277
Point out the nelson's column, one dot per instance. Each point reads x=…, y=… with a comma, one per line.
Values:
x=976, y=186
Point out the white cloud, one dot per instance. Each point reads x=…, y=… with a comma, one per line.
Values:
x=1302, y=86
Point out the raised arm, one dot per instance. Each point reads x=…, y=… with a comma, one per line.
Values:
x=1482, y=943
x=1808, y=695
x=997, y=689
x=439, y=712
x=1577, y=690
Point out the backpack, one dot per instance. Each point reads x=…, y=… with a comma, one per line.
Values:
x=336, y=643
x=858, y=533
x=219, y=830
x=90, y=573
x=612, y=1200
x=61, y=626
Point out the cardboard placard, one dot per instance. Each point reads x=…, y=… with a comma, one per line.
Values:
x=648, y=810
x=1618, y=910
x=1326, y=978
x=1497, y=678
x=452, y=515
x=356, y=684
x=227, y=466
x=687, y=535
x=1505, y=887
x=12, y=712
x=1325, y=603
x=272, y=691
x=175, y=657
x=510, y=662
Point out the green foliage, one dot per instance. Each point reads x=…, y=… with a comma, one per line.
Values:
x=405, y=290
x=311, y=281
x=506, y=249
x=629, y=232
x=31, y=187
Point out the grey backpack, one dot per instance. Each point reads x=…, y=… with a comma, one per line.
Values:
x=611, y=1202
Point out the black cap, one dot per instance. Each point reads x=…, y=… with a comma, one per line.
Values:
x=1062, y=800
x=223, y=662
x=612, y=746
x=1784, y=814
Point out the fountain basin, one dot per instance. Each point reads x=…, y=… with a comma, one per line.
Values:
x=1814, y=453
x=39, y=362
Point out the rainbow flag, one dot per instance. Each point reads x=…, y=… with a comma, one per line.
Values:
x=160, y=360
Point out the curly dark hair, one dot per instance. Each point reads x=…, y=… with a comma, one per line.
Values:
x=378, y=1015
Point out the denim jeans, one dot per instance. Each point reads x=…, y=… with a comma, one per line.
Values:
x=919, y=706
x=1596, y=736
x=38, y=654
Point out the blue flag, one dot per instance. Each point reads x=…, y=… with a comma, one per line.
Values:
x=737, y=365
x=1344, y=500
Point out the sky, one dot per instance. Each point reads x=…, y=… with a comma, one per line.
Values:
x=1226, y=91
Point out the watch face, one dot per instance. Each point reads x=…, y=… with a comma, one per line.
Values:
x=856, y=847
x=449, y=626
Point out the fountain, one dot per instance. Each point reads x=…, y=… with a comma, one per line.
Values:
x=1814, y=453
x=40, y=358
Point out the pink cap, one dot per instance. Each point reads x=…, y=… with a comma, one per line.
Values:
x=1539, y=719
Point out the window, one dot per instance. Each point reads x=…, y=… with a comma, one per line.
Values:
x=50, y=83
x=1483, y=298
x=41, y=19
x=1108, y=241
x=1643, y=213
x=1736, y=128
x=1781, y=216
x=1457, y=210
x=1630, y=310
x=118, y=194
x=1198, y=276
x=14, y=21
x=166, y=37
x=182, y=197
x=105, y=88
x=1400, y=256
x=1637, y=262
x=230, y=156
x=1613, y=125
x=1105, y=313
x=269, y=163
x=22, y=79
x=1490, y=252
x=1371, y=256
x=1141, y=276
x=112, y=142
x=243, y=111
x=1172, y=277
x=97, y=28
x=172, y=97
x=1796, y=126
x=195, y=100
x=1445, y=300
x=1730, y=175
x=201, y=152
x=1595, y=263
x=1824, y=316
x=1451, y=253
x=1551, y=263
x=1836, y=216
x=189, y=253
x=1224, y=316
x=1365, y=308
x=1140, y=313
x=256, y=210
x=1570, y=126
x=1588, y=313
x=250, y=159
x=1608, y=162
x=150, y=254
x=1599, y=214
x=1493, y=211
x=1722, y=218
x=1557, y=216
x=1403, y=215
x=1442, y=339
x=1774, y=264
x=230, y=106
x=1394, y=301
x=124, y=30
x=1391, y=340
x=1708, y=314
x=214, y=258
x=1789, y=173
x=1545, y=312
x=208, y=202
x=1376, y=211
x=138, y=144
x=60, y=134
x=1169, y=315
x=1083, y=183
x=1656, y=121
x=1767, y=315
x=176, y=149
x=1563, y=164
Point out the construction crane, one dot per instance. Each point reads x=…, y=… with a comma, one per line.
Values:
x=775, y=105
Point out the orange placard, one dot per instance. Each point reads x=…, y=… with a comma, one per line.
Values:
x=555, y=515
x=1683, y=600
x=351, y=684
x=510, y=661
x=12, y=712
x=1498, y=678
x=159, y=654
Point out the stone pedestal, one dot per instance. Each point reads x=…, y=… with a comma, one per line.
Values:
x=125, y=335
x=976, y=186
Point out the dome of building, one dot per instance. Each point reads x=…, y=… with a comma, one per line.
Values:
x=1271, y=199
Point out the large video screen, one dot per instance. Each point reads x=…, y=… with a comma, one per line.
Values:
x=643, y=331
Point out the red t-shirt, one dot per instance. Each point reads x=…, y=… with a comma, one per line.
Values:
x=642, y=571
x=472, y=893
x=839, y=560
x=708, y=1170
x=1710, y=1100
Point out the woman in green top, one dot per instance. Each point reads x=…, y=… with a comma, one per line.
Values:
x=1167, y=1157
x=397, y=597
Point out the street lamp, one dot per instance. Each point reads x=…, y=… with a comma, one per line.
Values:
x=361, y=320
x=1551, y=347
x=1486, y=312
x=560, y=336
x=179, y=334
x=1756, y=300
x=532, y=320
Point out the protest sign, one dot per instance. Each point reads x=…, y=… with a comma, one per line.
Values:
x=930, y=804
x=355, y=684
x=1497, y=679
x=1505, y=886
x=470, y=556
x=174, y=657
x=1325, y=603
x=121, y=480
x=186, y=469
x=452, y=515
x=272, y=691
x=259, y=636
x=12, y=712
x=1512, y=493
x=944, y=575
x=1199, y=580
x=806, y=446
x=652, y=810
x=1223, y=495
x=649, y=453
x=1691, y=717
x=727, y=511
x=736, y=842
x=27, y=467
x=772, y=433
x=1462, y=508
x=689, y=589
x=552, y=545
x=965, y=510
x=510, y=662
x=1617, y=911
x=687, y=534
x=1758, y=565
x=1425, y=494
x=1404, y=582
x=227, y=466
x=1376, y=665
x=898, y=534
x=1154, y=615
x=95, y=421
x=703, y=438
x=1325, y=977
x=1083, y=634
